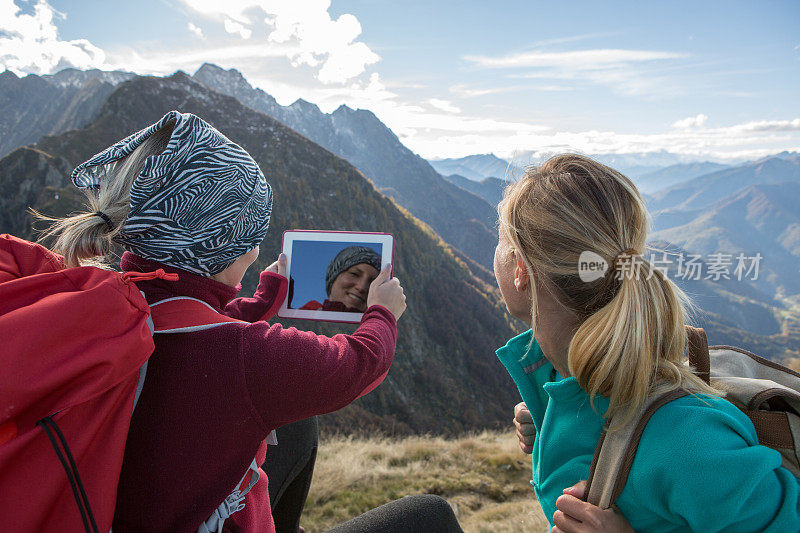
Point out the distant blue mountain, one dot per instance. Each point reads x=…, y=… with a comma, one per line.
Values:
x=633, y=164
x=673, y=174
x=477, y=167
x=637, y=166
x=752, y=208
x=490, y=189
x=763, y=218
x=709, y=188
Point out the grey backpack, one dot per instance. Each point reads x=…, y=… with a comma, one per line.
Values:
x=768, y=393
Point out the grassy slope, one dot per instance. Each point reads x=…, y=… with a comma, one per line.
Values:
x=484, y=477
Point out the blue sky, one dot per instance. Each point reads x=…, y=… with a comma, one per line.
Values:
x=707, y=80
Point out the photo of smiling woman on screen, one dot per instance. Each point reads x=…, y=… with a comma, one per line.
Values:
x=347, y=280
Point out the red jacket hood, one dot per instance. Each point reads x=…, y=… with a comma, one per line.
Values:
x=20, y=258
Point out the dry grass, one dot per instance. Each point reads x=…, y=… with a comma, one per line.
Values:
x=485, y=478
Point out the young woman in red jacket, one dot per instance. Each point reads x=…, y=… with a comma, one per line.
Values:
x=181, y=197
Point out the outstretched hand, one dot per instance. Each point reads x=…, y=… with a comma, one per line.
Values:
x=573, y=515
x=387, y=292
x=279, y=266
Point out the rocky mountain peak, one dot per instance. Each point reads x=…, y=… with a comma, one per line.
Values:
x=231, y=76
x=8, y=75
x=72, y=77
x=364, y=115
x=233, y=83
x=305, y=106
x=343, y=109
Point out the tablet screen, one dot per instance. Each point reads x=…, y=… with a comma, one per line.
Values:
x=330, y=273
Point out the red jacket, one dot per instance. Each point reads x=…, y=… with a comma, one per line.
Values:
x=328, y=305
x=211, y=398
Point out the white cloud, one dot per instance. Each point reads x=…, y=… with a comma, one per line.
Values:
x=770, y=125
x=756, y=126
x=444, y=105
x=231, y=26
x=691, y=122
x=164, y=62
x=196, y=30
x=628, y=72
x=748, y=140
x=30, y=43
x=579, y=59
x=313, y=37
x=462, y=91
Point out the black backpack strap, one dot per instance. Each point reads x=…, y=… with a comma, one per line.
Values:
x=68, y=462
x=613, y=456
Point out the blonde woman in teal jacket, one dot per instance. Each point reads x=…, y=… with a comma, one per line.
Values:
x=599, y=346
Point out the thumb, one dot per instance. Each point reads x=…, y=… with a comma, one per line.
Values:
x=383, y=276
x=576, y=490
x=282, y=264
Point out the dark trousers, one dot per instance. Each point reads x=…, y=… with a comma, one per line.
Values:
x=423, y=513
x=289, y=467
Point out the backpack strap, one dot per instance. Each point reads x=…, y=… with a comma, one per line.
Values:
x=613, y=456
x=699, y=358
x=233, y=503
x=183, y=314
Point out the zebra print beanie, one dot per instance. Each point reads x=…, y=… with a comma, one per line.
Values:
x=197, y=206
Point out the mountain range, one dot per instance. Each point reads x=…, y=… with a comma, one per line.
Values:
x=707, y=189
x=705, y=208
x=673, y=174
x=477, y=167
x=332, y=170
x=33, y=106
x=763, y=218
x=649, y=177
x=632, y=164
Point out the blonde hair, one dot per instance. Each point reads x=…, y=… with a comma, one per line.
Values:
x=631, y=338
x=86, y=238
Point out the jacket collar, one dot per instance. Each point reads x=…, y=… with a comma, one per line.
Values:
x=211, y=291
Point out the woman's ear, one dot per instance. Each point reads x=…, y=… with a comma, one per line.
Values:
x=521, y=279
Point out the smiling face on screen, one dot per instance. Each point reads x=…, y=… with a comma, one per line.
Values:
x=351, y=287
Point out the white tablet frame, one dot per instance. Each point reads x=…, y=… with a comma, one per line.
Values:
x=386, y=240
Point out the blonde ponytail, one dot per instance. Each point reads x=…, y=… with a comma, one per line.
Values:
x=88, y=237
x=631, y=335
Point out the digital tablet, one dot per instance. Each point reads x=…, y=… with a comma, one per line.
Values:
x=330, y=272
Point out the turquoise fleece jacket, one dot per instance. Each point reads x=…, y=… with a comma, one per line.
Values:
x=698, y=468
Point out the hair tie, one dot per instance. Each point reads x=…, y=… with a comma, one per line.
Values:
x=627, y=253
x=106, y=218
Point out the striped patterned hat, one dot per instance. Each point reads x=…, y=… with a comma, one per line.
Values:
x=197, y=206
